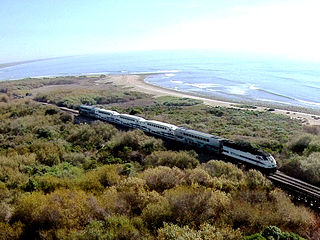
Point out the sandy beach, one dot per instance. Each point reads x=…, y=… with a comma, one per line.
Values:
x=137, y=83
x=11, y=64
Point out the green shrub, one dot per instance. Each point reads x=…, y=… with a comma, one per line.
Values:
x=195, y=205
x=311, y=168
x=130, y=146
x=256, y=236
x=44, y=133
x=97, y=179
x=47, y=153
x=135, y=195
x=11, y=232
x=223, y=169
x=255, y=179
x=176, y=101
x=59, y=209
x=162, y=178
x=51, y=111
x=156, y=214
x=74, y=158
x=206, y=231
x=66, y=117
x=273, y=233
x=299, y=145
x=89, y=137
x=198, y=176
x=181, y=159
x=115, y=227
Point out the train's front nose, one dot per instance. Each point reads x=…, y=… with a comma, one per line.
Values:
x=272, y=161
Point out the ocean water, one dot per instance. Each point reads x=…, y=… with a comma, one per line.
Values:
x=232, y=77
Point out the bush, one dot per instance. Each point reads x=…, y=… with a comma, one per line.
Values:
x=206, y=231
x=51, y=111
x=273, y=233
x=256, y=236
x=289, y=216
x=198, y=176
x=66, y=117
x=224, y=170
x=89, y=137
x=162, y=178
x=115, y=227
x=60, y=209
x=181, y=159
x=75, y=158
x=175, y=101
x=4, y=98
x=97, y=179
x=11, y=232
x=311, y=168
x=134, y=194
x=47, y=153
x=255, y=180
x=135, y=110
x=44, y=133
x=171, y=231
x=5, y=212
x=47, y=183
x=299, y=145
x=216, y=111
x=133, y=145
x=196, y=205
x=156, y=214
x=12, y=169
x=254, y=210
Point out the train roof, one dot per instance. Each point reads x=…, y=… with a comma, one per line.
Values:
x=162, y=124
x=198, y=133
x=132, y=116
x=107, y=111
x=86, y=107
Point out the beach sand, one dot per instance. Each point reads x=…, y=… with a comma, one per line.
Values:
x=137, y=83
x=11, y=64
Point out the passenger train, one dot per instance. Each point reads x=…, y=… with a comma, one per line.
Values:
x=240, y=152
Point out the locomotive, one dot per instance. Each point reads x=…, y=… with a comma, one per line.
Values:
x=240, y=152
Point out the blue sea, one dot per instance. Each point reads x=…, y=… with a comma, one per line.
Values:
x=238, y=78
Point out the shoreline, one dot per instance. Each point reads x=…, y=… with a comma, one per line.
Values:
x=137, y=82
x=11, y=64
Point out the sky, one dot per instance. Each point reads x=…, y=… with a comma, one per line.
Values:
x=51, y=28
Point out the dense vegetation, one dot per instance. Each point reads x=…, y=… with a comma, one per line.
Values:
x=295, y=147
x=25, y=85
x=67, y=181
x=79, y=90
x=175, y=101
x=73, y=98
x=61, y=180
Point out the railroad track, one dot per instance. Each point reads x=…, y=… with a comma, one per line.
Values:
x=61, y=108
x=69, y=110
x=301, y=190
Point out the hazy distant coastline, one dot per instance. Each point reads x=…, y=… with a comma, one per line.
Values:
x=10, y=64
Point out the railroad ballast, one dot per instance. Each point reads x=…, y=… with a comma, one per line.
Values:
x=240, y=152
